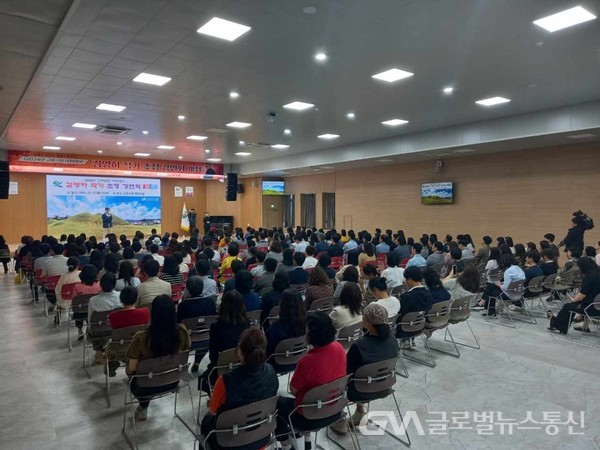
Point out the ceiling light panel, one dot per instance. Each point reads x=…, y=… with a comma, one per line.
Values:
x=149, y=78
x=492, y=101
x=298, y=106
x=65, y=138
x=328, y=136
x=213, y=159
x=166, y=147
x=238, y=124
x=565, y=19
x=394, y=122
x=280, y=146
x=87, y=126
x=195, y=137
x=243, y=153
x=392, y=75
x=223, y=29
x=50, y=147
x=141, y=154
x=109, y=107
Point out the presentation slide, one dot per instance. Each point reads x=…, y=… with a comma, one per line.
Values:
x=76, y=204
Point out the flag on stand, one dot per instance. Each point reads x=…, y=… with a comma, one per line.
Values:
x=185, y=221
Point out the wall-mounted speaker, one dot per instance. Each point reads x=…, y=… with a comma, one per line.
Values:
x=4, y=179
x=232, y=187
x=240, y=188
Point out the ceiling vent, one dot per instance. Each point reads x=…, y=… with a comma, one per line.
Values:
x=217, y=130
x=108, y=129
x=255, y=145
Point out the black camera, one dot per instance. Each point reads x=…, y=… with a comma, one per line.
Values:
x=582, y=219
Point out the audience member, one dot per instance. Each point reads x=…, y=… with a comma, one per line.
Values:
x=153, y=286
x=379, y=290
x=348, y=312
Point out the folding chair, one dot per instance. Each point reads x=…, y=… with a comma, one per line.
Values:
x=322, y=402
x=301, y=288
x=227, y=360
x=254, y=317
x=79, y=306
x=336, y=262
x=273, y=316
x=199, y=329
x=177, y=292
x=514, y=292
x=592, y=312
x=349, y=334
x=536, y=287
x=460, y=312
x=287, y=353
x=116, y=350
x=49, y=288
x=437, y=319
x=414, y=324
x=376, y=381
x=98, y=329
x=246, y=425
x=322, y=305
x=156, y=373
x=67, y=292
x=37, y=281
x=398, y=290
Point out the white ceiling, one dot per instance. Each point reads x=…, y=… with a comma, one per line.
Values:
x=483, y=48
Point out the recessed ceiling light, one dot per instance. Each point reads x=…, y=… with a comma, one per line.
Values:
x=328, y=136
x=238, y=124
x=234, y=95
x=99, y=151
x=57, y=169
x=195, y=137
x=64, y=138
x=145, y=132
x=492, y=101
x=280, y=146
x=87, y=126
x=448, y=90
x=392, y=75
x=287, y=131
x=180, y=157
x=181, y=117
x=109, y=107
x=243, y=153
x=565, y=19
x=298, y=106
x=582, y=136
x=119, y=143
x=242, y=142
x=50, y=147
x=223, y=29
x=394, y=122
x=166, y=147
x=351, y=116
x=321, y=56
x=213, y=159
x=141, y=154
x=309, y=10
x=207, y=150
x=148, y=78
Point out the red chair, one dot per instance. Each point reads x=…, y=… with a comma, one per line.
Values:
x=67, y=291
x=404, y=262
x=251, y=266
x=177, y=292
x=336, y=263
x=227, y=274
x=38, y=279
x=49, y=289
x=185, y=276
x=382, y=261
x=190, y=265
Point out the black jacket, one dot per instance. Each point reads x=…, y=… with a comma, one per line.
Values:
x=574, y=238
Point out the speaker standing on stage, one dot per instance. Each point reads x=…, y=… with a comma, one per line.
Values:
x=206, y=222
x=192, y=219
x=107, y=221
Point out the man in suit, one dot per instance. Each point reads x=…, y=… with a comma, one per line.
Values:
x=107, y=221
x=192, y=219
x=417, y=298
x=206, y=222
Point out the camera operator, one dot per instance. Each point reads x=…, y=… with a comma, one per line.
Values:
x=574, y=238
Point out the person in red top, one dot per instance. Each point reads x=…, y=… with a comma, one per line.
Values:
x=324, y=363
x=129, y=316
x=88, y=285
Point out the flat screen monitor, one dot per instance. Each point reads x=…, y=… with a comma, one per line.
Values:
x=273, y=187
x=437, y=193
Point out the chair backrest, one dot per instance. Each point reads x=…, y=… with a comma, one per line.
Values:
x=596, y=303
x=51, y=282
x=515, y=288
x=438, y=314
x=273, y=315
x=399, y=290
x=536, y=285
x=157, y=372
x=99, y=325
x=549, y=281
x=375, y=377
x=495, y=275
x=336, y=262
x=299, y=287
x=80, y=303
x=228, y=359
x=460, y=310
x=289, y=351
x=323, y=304
x=247, y=424
x=326, y=400
x=5, y=253
x=120, y=339
x=349, y=334
x=392, y=323
x=254, y=317
x=412, y=322
x=199, y=327
x=67, y=291
x=177, y=292
x=437, y=267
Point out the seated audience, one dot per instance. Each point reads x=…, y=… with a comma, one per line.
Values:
x=275, y=251
x=335, y=249
x=378, y=288
x=417, y=298
x=128, y=315
x=368, y=254
x=324, y=363
x=259, y=269
x=512, y=272
x=243, y=284
x=348, y=312
x=318, y=286
x=324, y=263
x=287, y=261
x=393, y=274
x=272, y=298
x=171, y=273
x=437, y=257
x=203, y=270
x=291, y=324
x=416, y=260
x=106, y=300
x=484, y=251
x=264, y=283
x=163, y=337
x=434, y=285
x=548, y=264
x=154, y=253
x=69, y=277
x=464, y=284
x=298, y=275
x=348, y=274
x=126, y=276
x=233, y=250
x=236, y=267
x=310, y=261
x=153, y=286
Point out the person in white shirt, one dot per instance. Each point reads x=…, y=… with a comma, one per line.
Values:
x=153, y=286
x=259, y=269
x=156, y=256
x=301, y=244
x=57, y=265
x=394, y=274
x=348, y=312
x=203, y=271
x=310, y=262
x=378, y=288
x=106, y=300
x=39, y=262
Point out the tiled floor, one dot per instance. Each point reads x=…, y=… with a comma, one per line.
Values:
x=48, y=402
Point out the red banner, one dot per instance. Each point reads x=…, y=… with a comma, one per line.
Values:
x=70, y=164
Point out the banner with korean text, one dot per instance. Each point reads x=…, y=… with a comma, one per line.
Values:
x=76, y=204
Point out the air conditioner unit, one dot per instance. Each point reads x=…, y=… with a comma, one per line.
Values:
x=109, y=129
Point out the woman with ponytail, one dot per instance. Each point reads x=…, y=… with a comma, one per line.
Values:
x=71, y=276
x=254, y=380
x=377, y=344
